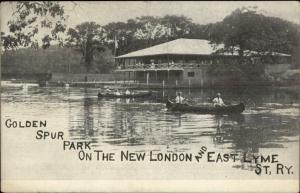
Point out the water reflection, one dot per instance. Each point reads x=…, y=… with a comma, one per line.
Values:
x=270, y=120
x=131, y=122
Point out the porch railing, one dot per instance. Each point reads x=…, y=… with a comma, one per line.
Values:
x=161, y=66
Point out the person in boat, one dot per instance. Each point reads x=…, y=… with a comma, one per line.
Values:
x=179, y=99
x=127, y=92
x=117, y=93
x=218, y=101
x=107, y=91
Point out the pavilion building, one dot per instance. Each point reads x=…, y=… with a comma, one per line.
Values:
x=182, y=62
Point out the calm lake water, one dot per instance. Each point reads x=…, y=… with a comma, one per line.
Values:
x=269, y=125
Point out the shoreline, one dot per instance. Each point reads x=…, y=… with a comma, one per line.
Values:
x=136, y=85
x=292, y=89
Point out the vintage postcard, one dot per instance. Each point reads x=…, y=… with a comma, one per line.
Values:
x=150, y=96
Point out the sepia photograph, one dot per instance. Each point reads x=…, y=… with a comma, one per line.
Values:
x=150, y=96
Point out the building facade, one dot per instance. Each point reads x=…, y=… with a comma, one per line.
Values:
x=183, y=62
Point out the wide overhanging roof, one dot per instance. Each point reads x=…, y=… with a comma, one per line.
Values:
x=181, y=47
x=175, y=47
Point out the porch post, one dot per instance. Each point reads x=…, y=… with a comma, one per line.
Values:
x=168, y=61
x=168, y=75
x=128, y=76
x=147, y=78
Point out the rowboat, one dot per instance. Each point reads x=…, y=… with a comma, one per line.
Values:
x=135, y=95
x=231, y=109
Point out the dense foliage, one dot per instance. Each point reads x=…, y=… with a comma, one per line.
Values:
x=29, y=18
x=243, y=30
x=54, y=59
x=88, y=39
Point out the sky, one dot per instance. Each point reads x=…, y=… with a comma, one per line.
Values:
x=201, y=12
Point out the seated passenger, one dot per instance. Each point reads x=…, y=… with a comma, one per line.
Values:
x=218, y=101
x=179, y=99
x=117, y=93
x=127, y=92
x=107, y=90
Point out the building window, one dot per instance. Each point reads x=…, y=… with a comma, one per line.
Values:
x=191, y=74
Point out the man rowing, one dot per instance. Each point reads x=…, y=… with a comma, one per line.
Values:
x=127, y=92
x=117, y=93
x=218, y=101
x=179, y=99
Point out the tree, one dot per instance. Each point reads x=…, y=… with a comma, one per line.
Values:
x=249, y=33
x=146, y=31
x=245, y=29
x=156, y=30
x=150, y=29
x=120, y=32
x=29, y=18
x=179, y=26
x=87, y=38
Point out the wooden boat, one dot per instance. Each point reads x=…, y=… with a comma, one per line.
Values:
x=135, y=95
x=232, y=109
